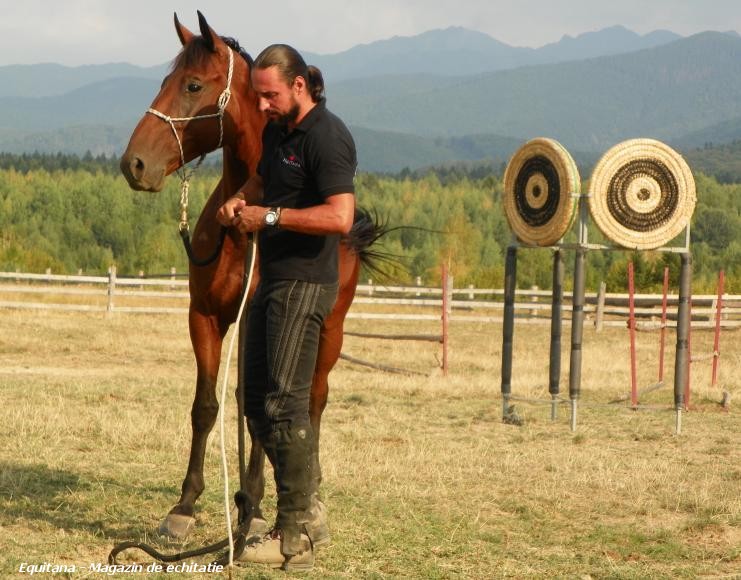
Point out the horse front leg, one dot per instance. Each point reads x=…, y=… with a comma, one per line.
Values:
x=206, y=337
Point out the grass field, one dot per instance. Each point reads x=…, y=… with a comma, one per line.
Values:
x=422, y=478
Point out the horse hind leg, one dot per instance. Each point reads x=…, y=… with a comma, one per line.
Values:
x=330, y=345
x=253, y=485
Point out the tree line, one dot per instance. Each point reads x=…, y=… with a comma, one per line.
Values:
x=68, y=215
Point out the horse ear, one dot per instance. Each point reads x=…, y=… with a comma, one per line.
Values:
x=206, y=32
x=183, y=33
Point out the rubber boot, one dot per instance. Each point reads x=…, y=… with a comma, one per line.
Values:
x=293, y=480
x=288, y=545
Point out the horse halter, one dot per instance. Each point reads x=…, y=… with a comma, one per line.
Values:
x=222, y=103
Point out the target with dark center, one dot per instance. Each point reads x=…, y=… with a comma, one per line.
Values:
x=537, y=191
x=540, y=181
x=653, y=187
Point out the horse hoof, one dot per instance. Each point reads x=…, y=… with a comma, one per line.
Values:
x=258, y=527
x=177, y=526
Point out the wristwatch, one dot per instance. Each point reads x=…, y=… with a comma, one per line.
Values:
x=272, y=217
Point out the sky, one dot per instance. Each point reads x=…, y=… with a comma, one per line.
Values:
x=78, y=32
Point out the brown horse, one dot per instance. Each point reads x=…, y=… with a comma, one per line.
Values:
x=192, y=115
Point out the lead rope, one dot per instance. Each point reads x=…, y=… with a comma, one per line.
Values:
x=224, y=464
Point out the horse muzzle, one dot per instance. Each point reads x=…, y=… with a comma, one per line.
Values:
x=140, y=175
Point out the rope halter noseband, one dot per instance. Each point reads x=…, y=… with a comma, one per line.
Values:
x=222, y=103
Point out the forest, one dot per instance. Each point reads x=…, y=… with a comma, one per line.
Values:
x=68, y=213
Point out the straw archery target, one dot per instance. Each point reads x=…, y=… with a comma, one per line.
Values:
x=642, y=194
x=538, y=185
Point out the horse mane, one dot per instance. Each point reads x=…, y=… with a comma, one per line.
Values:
x=197, y=50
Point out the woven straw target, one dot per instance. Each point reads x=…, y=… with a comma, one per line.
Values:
x=642, y=194
x=538, y=185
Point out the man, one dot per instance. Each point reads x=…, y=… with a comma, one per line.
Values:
x=300, y=201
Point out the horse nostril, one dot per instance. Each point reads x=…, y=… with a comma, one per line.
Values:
x=137, y=167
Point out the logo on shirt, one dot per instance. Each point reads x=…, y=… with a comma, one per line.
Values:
x=292, y=160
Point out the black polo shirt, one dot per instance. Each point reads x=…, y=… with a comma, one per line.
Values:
x=301, y=169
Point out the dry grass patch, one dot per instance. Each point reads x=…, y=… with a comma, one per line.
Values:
x=422, y=478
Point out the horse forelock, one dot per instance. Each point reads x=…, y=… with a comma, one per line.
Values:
x=195, y=53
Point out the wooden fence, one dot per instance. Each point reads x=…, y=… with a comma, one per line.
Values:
x=167, y=295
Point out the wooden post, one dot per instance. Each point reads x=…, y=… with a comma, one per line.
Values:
x=111, y=287
x=418, y=282
x=370, y=287
x=534, y=298
x=718, y=314
x=470, y=293
x=600, y=307
x=446, y=287
x=662, y=333
x=173, y=271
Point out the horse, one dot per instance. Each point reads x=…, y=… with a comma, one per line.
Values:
x=206, y=102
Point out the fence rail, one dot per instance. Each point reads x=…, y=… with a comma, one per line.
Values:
x=138, y=295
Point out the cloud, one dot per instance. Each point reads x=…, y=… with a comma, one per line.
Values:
x=140, y=31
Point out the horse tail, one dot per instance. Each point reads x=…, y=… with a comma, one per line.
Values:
x=366, y=229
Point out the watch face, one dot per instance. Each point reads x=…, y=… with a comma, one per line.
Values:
x=270, y=218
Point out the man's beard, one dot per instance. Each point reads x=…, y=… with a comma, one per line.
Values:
x=290, y=116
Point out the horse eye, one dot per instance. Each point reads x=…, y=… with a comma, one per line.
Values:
x=194, y=87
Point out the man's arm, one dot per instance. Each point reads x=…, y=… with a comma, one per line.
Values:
x=334, y=216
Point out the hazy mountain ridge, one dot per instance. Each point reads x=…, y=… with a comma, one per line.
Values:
x=49, y=79
x=459, y=51
x=680, y=90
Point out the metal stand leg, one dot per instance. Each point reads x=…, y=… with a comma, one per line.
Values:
x=508, y=327
x=683, y=328
x=577, y=331
x=556, y=325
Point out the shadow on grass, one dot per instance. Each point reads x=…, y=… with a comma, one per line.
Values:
x=35, y=493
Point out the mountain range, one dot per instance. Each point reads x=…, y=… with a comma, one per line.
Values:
x=441, y=96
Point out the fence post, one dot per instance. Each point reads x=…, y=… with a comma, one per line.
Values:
x=447, y=287
x=470, y=293
x=111, y=287
x=418, y=282
x=370, y=287
x=600, y=307
x=534, y=299
x=173, y=271
x=662, y=334
x=718, y=314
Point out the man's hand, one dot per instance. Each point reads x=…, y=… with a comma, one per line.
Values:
x=250, y=218
x=230, y=210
